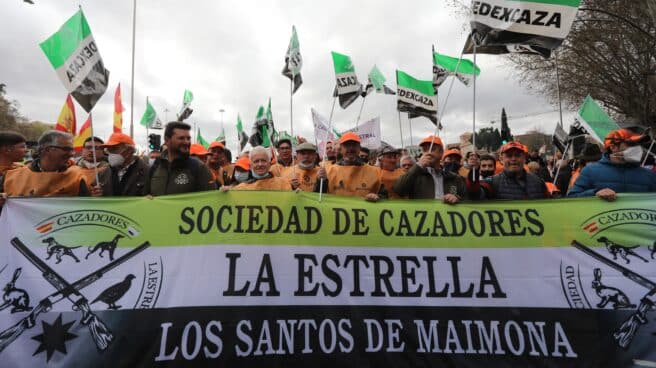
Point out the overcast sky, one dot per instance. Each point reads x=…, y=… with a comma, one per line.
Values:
x=231, y=53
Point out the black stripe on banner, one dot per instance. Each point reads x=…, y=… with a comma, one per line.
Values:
x=350, y=336
x=92, y=87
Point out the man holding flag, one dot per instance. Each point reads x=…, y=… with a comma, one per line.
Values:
x=304, y=174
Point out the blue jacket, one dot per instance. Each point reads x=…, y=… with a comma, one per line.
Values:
x=625, y=178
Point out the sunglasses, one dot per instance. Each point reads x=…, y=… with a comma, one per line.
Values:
x=63, y=148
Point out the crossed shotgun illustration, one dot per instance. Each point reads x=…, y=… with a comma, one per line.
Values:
x=65, y=290
x=624, y=335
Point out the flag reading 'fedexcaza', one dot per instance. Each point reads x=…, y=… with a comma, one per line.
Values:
x=73, y=53
x=416, y=97
x=348, y=88
x=444, y=66
x=293, y=61
x=532, y=26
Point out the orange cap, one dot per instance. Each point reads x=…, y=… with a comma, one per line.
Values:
x=349, y=136
x=197, y=149
x=514, y=145
x=118, y=138
x=431, y=139
x=452, y=152
x=622, y=135
x=243, y=163
x=217, y=144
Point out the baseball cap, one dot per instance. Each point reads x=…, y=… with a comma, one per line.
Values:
x=243, y=163
x=197, y=149
x=387, y=150
x=623, y=135
x=514, y=145
x=452, y=152
x=431, y=139
x=349, y=136
x=118, y=138
x=307, y=146
x=217, y=144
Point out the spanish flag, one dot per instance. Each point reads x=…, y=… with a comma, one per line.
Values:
x=118, y=110
x=66, y=119
x=85, y=132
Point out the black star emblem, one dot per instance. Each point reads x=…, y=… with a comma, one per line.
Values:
x=54, y=337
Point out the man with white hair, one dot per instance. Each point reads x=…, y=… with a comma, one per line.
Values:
x=262, y=179
x=303, y=175
x=127, y=174
x=49, y=175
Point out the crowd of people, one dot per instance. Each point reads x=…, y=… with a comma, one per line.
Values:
x=113, y=168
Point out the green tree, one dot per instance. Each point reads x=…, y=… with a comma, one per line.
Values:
x=505, y=129
x=11, y=119
x=488, y=138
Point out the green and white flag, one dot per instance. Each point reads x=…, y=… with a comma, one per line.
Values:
x=377, y=83
x=595, y=120
x=347, y=88
x=293, y=62
x=445, y=66
x=73, y=53
x=200, y=140
x=416, y=97
x=524, y=26
x=242, y=137
x=149, y=119
x=186, y=111
x=256, y=138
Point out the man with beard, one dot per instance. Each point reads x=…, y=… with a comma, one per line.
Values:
x=331, y=153
x=49, y=175
x=285, y=159
x=219, y=163
x=303, y=175
x=514, y=182
x=350, y=176
x=175, y=171
x=262, y=179
x=487, y=166
x=85, y=161
x=127, y=174
x=389, y=170
x=618, y=171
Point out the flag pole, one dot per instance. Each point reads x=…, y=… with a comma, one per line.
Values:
x=410, y=126
x=560, y=102
x=291, y=106
x=93, y=147
x=473, y=169
x=400, y=129
x=323, y=162
x=134, y=27
x=569, y=143
x=357, y=121
x=648, y=152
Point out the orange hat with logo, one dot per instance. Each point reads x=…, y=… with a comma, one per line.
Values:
x=118, y=138
x=349, y=136
x=452, y=152
x=623, y=135
x=243, y=163
x=431, y=139
x=217, y=144
x=197, y=149
x=514, y=145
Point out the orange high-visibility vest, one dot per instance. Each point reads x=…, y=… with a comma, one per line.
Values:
x=27, y=183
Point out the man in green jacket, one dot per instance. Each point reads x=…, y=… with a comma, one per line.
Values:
x=427, y=180
x=175, y=172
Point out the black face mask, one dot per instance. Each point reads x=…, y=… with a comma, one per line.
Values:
x=452, y=166
x=487, y=173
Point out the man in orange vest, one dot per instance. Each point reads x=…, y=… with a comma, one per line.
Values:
x=262, y=179
x=303, y=175
x=12, y=150
x=219, y=164
x=49, y=175
x=389, y=170
x=350, y=176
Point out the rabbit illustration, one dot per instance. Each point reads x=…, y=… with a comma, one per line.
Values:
x=609, y=294
x=18, y=299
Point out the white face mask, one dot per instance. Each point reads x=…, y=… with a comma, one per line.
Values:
x=306, y=167
x=89, y=165
x=241, y=176
x=115, y=160
x=256, y=176
x=633, y=154
x=151, y=161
